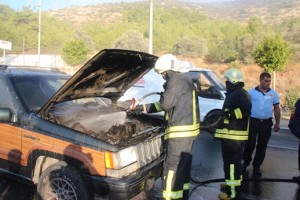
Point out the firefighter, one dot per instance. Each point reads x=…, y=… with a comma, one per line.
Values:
x=233, y=132
x=180, y=103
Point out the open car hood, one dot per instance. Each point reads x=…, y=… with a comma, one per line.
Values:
x=108, y=74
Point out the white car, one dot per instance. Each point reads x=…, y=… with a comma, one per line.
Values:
x=210, y=88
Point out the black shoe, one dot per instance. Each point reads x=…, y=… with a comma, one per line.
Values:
x=257, y=171
x=225, y=188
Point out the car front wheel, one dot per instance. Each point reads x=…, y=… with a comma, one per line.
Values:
x=60, y=181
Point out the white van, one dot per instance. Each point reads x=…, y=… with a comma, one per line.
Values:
x=210, y=88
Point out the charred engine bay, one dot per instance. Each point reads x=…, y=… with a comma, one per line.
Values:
x=138, y=128
x=109, y=123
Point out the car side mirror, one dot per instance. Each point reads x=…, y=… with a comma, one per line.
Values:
x=6, y=115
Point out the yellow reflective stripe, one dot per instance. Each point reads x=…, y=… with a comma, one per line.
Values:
x=232, y=132
x=144, y=107
x=167, y=117
x=231, y=137
x=194, y=109
x=181, y=134
x=226, y=121
x=238, y=113
x=157, y=106
x=168, y=193
x=173, y=195
x=248, y=124
x=233, y=182
x=182, y=128
x=169, y=180
x=186, y=186
x=231, y=171
x=182, y=131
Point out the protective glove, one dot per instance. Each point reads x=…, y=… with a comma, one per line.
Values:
x=164, y=85
x=134, y=108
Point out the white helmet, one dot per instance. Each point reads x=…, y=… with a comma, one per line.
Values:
x=184, y=66
x=165, y=62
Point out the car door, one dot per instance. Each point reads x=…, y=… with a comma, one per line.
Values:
x=10, y=143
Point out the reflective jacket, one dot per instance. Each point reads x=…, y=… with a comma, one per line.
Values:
x=236, y=113
x=180, y=103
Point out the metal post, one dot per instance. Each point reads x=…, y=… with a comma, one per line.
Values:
x=3, y=57
x=39, y=32
x=151, y=28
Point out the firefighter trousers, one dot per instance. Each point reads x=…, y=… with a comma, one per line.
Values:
x=177, y=167
x=232, y=153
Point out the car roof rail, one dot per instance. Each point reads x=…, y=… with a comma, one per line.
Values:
x=3, y=67
x=36, y=67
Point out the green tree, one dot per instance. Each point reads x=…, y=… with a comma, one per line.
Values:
x=133, y=40
x=255, y=25
x=191, y=46
x=290, y=99
x=246, y=45
x=74, y=52
x=272, y=54
x=226, y=51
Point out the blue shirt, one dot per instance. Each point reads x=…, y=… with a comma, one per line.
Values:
x=262, y=103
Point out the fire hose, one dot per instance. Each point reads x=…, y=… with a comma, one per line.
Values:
x=137, y=102
x=202, y=183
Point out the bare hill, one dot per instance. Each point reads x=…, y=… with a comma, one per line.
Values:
x=270, y=11
x=105, y=14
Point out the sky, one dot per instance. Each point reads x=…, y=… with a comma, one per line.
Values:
x=57, y=4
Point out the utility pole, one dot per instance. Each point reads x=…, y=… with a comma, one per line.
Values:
x=39, y=5
x=39, y=32
x=151, y=28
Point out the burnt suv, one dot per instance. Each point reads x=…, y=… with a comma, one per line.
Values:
x=69, y=135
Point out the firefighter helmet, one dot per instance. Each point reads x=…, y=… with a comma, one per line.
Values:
x=165, y=62
x=234, y=76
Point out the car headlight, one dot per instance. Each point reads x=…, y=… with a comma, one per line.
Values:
x=122, y=163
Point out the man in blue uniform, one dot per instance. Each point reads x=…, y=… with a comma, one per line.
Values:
x=264, y=100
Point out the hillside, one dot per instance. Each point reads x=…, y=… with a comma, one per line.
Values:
x=269, y=11
x=285, y=80
x=105, y=14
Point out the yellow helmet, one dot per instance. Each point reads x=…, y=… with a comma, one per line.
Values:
x=234, y=76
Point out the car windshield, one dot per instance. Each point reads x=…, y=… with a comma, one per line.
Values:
x=215, y=79
x=35, y=91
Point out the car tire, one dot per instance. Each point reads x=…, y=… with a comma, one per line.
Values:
x=60, y=181
x=211, y=119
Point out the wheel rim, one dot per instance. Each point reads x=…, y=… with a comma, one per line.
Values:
x=60, y=189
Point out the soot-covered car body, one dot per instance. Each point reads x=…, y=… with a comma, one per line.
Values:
x=71, y=137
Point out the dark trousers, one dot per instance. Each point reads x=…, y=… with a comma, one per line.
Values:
x=299, y=156
x=259, y=136
x=232, y=153
x=177, y=168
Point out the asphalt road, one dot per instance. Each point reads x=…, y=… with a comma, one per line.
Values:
x=279, y=167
